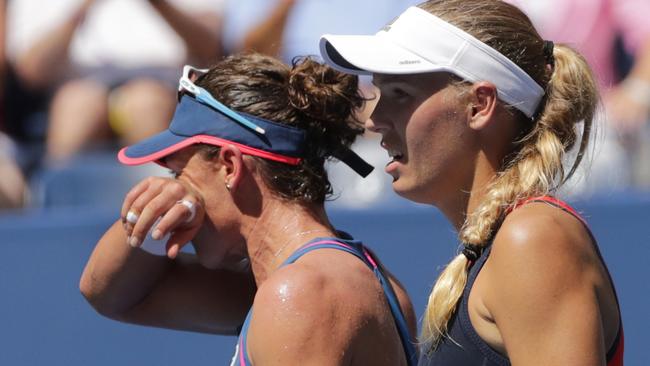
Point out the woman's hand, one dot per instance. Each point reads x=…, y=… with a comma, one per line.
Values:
x=179, y=206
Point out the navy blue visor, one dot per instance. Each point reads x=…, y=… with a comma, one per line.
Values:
x=195, y=122
x=200, y=118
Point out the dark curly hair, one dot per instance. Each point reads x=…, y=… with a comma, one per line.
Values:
x=307, y=95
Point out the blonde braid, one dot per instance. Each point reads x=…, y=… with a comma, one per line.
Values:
x=536, y=168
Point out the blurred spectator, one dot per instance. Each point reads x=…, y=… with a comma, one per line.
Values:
x=289, y=28
x=3, y=61
x=600, y=28
x=12, y=184
x=110, y=61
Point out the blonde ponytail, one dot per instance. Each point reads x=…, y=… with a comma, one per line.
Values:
x=443, y=300
x=536, y=168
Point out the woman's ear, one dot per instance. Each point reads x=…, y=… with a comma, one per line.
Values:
x=483, y=104
x=233, y=163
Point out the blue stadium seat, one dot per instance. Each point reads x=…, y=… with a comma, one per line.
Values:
x=88, y=180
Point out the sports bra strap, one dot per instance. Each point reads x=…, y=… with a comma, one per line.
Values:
x=550, y=200
x=321, y=244
x=359, y=251
x=241, y=354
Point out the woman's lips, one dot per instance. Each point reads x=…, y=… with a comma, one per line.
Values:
x=396, y=157
x=392, y=166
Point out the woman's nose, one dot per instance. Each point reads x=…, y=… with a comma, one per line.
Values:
x=378, y=120
x=371, y=125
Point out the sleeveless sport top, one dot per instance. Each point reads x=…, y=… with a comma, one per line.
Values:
x=358, y=250
x=465, y=347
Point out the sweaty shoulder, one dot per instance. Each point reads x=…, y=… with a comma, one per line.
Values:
x=544, y=269
x=544, y=240
x=307, y=311
x=540, y=221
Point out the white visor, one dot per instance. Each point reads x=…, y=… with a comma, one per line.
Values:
x=420, y=42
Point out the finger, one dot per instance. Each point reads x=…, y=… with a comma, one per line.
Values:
x=161, y=195
x=191, y=206
x=134, y=215
x=128, y=222
x=155, y=208
x=178, y=240
x=133, y=194
x=176, y=216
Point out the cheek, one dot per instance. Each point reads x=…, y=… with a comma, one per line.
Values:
x=434, y=134
x=436, y=143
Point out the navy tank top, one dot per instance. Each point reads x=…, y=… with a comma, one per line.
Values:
x=357, y=249
x=465, y=347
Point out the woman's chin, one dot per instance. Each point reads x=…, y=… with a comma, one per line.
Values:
x=237, y=264
x=411, y=193
x=402, y=189
x=210, y=264
x=401, y=185
x=243, y=265
x=212, y=261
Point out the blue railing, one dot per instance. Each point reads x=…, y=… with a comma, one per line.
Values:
x=45, y=321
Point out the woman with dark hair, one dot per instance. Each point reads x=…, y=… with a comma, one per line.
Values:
x=247, y=146
x=478, y=112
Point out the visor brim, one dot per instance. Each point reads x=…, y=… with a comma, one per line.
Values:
x=369, y=54
x=154, y=148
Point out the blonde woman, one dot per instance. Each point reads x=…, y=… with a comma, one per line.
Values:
x=477, y=112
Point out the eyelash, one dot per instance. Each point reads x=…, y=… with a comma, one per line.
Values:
x=400, y=93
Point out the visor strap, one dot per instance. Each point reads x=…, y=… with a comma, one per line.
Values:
x=354, y=161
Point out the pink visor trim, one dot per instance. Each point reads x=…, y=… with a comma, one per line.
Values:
x=205, y=139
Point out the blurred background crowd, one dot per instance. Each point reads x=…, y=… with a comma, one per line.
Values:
x=81, y=78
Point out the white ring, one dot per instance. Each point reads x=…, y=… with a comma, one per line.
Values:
x=131, y=217
x=190, y=206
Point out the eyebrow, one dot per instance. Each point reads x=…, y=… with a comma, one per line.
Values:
x=382, y=80
x=379, y=79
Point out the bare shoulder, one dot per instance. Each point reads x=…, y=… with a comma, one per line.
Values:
x=308, y=310
x=343, y=285
x=543, y=269
x=293, y=287
x=540, y=254
x=538, y=232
